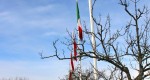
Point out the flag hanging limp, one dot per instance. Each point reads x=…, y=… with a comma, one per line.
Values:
x=70, y=75
x=75, y=50
x=74, y=47
x=79, y=23
x=72, y=64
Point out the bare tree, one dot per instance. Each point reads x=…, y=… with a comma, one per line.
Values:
x=88, y=75
x=134, y=46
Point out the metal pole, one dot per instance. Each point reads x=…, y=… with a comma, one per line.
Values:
x=80, y=70
x=93, y=41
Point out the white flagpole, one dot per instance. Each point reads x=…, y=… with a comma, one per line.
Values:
x=93, y=41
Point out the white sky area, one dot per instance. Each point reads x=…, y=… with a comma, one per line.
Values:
x=28, y=27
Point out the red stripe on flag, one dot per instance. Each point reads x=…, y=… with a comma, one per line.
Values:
x=75, y=49
x=80, y=33
x=70, y=75
x=72, y=65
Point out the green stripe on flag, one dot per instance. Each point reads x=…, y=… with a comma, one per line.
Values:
x=78, y=15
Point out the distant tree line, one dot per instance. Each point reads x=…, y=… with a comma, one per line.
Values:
x=15, y=78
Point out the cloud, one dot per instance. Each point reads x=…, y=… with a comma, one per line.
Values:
x=44, y=8
x=51, y=34
x=6, y=16
x=40, y=70
x=3, y=14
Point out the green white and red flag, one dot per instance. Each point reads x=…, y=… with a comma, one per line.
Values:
x=79, y=22
x=75, y=49
x=72, y=64
x=70, y=75
x=74, y=46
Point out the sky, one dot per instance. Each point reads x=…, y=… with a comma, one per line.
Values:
x=28, y=27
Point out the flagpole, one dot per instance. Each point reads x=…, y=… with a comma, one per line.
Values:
x=80, y=74
x=93, y=41
x=78, y=16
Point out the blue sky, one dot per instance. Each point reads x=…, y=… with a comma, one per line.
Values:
x=28, y=27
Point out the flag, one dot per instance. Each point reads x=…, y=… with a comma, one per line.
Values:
x=70, y=75
x=74, y=46
x=75, y=49
x=79, y=22
x=72, y=65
